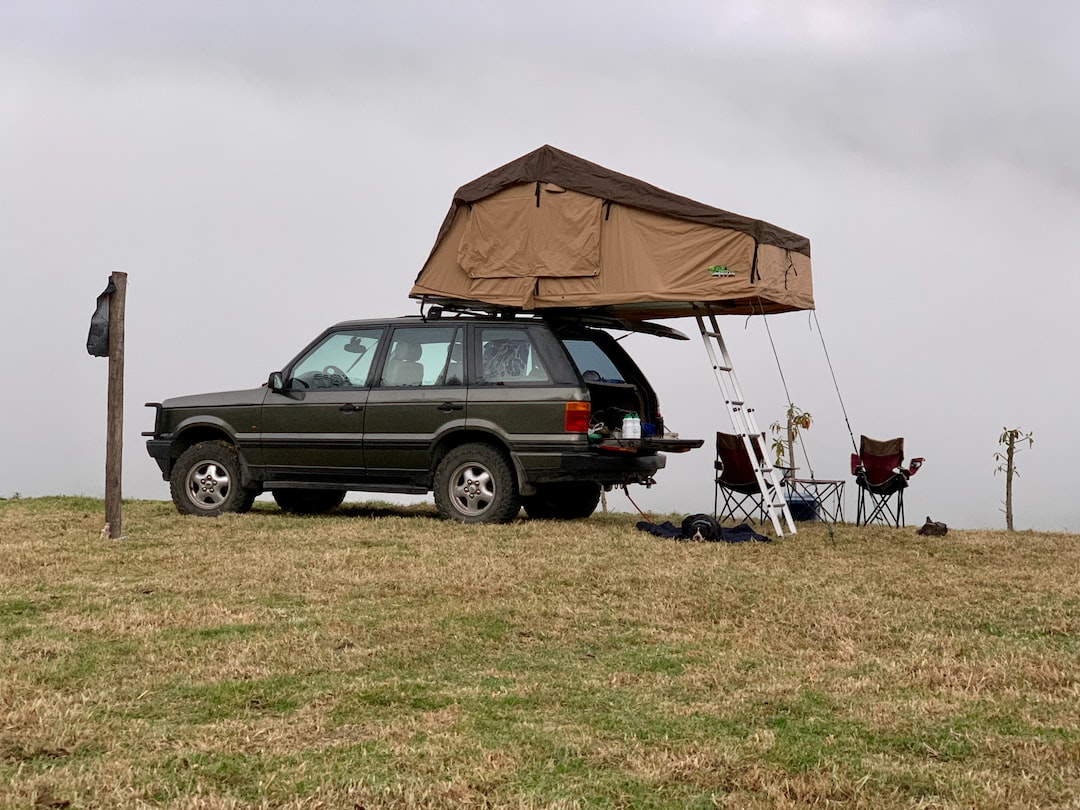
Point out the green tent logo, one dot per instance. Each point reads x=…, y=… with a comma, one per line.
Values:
x=720, y=271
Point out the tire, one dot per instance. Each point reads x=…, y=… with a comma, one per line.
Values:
x=206, y=481
x=573, y=500
x=474, y=483
x=308, y=501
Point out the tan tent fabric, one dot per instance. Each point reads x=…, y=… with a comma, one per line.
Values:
x=508, y=236
x=553, y=231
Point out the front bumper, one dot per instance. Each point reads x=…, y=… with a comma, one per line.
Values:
x=159, y=450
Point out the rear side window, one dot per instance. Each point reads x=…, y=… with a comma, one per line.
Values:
x=508, y=356
x=592, y=362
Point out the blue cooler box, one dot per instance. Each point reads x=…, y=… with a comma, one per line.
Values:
x=803, y=507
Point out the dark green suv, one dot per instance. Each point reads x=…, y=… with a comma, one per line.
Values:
x=492, y=413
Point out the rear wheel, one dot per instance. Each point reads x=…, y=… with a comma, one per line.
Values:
x=475, y=484
x=205, y=481
x=308, y=501
x=572, y=500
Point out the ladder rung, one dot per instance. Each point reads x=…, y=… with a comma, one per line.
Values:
x=712, y=334
x=721, y=368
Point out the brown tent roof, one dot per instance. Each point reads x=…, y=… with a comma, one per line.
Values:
x=553, y=231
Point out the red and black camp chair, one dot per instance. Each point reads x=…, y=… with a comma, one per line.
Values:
x=882, y=478
x=736, y=480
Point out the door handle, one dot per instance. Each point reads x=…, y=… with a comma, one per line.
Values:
x=349, y=407
x=446, y=407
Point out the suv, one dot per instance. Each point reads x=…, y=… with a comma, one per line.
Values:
x=491, y=412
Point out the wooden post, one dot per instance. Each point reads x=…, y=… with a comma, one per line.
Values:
x=114, y=442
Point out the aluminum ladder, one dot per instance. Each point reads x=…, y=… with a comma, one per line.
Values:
x=742, y=418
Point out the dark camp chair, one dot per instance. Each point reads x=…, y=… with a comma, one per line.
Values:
x=881, y=477
x=736, y=480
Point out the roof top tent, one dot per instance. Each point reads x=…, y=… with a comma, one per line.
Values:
x=551, y=231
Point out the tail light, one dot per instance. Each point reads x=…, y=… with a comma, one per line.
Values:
x=577, y=417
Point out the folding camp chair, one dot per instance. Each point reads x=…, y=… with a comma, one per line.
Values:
x=736, y=480
x=882, y=479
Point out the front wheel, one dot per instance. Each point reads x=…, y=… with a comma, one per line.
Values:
x=205, y=481
x=571, y=500
x=475, y=484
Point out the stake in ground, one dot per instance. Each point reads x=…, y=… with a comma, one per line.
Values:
x=1010, y=438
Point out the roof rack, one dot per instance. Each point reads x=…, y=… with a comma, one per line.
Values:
x=473, y=309
x=598, y=317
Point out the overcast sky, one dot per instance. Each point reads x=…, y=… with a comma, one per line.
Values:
x=263, y=169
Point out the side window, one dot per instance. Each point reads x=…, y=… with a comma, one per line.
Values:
x=340, y=360
x=592, y=363
x=423, y=356
x=508, y=356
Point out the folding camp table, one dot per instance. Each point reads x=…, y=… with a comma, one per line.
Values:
x=828, y=495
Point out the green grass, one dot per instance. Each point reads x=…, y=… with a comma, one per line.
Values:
x=377, y=657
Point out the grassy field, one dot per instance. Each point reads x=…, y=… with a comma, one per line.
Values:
x=381, y=658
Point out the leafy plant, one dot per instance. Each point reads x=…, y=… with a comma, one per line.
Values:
x=1009, y=438
x=786, y=433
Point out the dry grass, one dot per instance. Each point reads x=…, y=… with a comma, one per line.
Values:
x=380, y=658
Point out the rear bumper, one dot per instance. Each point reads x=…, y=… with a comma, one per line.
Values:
x=605, y=468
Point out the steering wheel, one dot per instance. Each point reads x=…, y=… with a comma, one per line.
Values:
x=334, y=370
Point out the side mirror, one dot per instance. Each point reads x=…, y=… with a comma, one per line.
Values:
x=276, y=382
